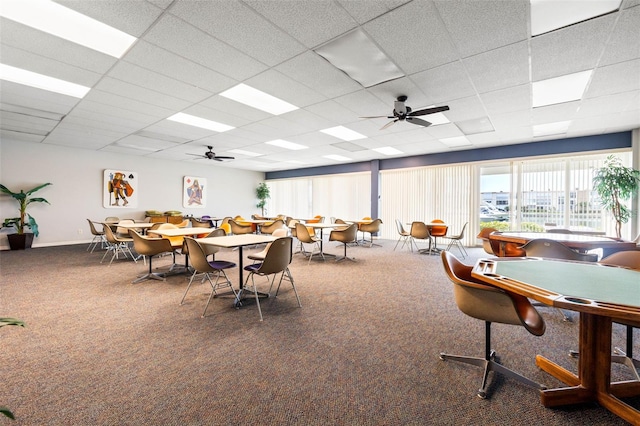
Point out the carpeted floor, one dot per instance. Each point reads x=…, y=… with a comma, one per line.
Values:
x=362, y=350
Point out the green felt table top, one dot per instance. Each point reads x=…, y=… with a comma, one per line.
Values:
x=583, y=280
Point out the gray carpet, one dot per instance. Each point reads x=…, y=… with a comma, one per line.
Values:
x=363, y=349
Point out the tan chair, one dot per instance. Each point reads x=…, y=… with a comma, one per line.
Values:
x=275, y=262
x=201, y=265
x=149, y=247
x=455, y=240
x=370, y=228
x=491, y=305
x=176, y=242
x=303, y=235
x=420, y=231
x=117, y=244
x=346, y=236
x=273, y=226
x=239, y=229
x=183, y=224
x=280, y=232
x=404, y=236
x=209, y=249
x=294, y=234
x=486, y=243
x=124, y=232
x=627, y=259
x=98, y=236
x=198, y=223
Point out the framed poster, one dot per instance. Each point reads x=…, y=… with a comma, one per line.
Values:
x=120, y=189
x=193, y=193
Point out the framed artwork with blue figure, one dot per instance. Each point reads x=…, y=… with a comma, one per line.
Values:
x=120, y=189
x=194, y=193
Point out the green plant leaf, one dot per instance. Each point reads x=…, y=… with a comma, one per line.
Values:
x=7, y=412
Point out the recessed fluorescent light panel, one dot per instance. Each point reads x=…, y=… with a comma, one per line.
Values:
x=549, y=15
x=388, y=150
x=247, y=153
x=551, y=128
x=203, y=123
x=257, y=99
x=337, y=157
x=60, y=21
x=360, y=58
x=456, y=141
x=557, y=90
x=286, y=144
x=343, y=133
x=40, y=81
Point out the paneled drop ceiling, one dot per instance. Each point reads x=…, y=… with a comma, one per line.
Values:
x=477, y=57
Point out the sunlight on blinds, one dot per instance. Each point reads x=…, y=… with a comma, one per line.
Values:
x=449, y=193
x=345, y=196
x=291, y=197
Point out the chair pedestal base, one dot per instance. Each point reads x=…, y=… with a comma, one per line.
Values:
x=490, y=365
x=149, y=276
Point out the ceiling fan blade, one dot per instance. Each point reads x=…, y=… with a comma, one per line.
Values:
x=388, y=124
x=377, y=116
x=429, y=111
x=196, y=155
x=418, y=121
x=221, y=157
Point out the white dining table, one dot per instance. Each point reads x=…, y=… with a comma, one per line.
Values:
x=321, y=227
x=239, y=241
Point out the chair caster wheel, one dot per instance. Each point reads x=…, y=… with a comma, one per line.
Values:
x=482, y=394
x=574, y=354
x=441, y=356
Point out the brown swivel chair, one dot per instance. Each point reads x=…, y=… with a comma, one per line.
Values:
x=303, y=235
x=552, y=249
x=275, y=262
x=486, y=243
x=201, y=265
x=98, y=237
x=346, y=236
x=370, y=228
x=420, y=231
x=627, y=259
x=491, y=305
x=149, y=247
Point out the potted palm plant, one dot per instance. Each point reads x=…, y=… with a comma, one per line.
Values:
x=263, y=193
x=21, y=240
x=615, y=184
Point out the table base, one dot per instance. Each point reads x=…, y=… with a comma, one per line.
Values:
x=593, y=384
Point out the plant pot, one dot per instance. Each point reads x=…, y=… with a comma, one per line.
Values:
x=20, y=241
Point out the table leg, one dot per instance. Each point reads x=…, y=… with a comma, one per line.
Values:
x=593, y=382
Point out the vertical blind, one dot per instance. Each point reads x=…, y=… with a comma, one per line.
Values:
x=549, y=190
x=450, y=193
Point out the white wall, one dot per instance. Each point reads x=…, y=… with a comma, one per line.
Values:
x=76, y=193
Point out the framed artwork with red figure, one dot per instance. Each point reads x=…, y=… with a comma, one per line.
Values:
x=194, y=194
x=120, y=189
